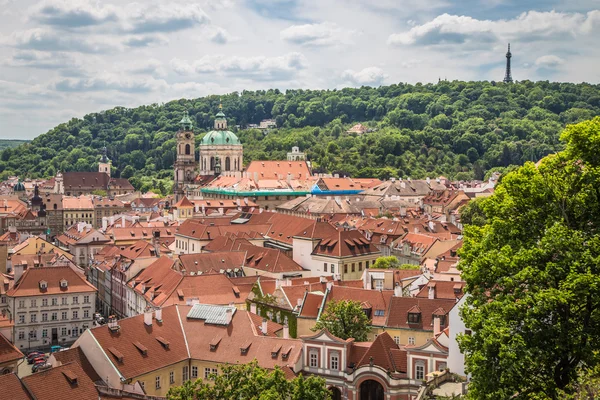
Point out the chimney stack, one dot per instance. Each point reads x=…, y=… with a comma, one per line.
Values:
x=264, y=326
x=104, y=224
x=398, y=290
x=253, y=308
x=286, y=329
x=431, y=294
x=436, y=324
x=123, y=221
x=148, y=317
x=158, y=314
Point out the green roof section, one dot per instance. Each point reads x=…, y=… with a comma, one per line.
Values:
x=186, y=121
x=213, y=138
x=274, y=192
x=220, y=115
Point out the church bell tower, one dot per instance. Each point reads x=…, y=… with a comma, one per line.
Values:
x=104, y=164
x=185, y=163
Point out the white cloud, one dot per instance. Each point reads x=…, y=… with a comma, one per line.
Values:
x=218, y=35
x=167, y=17
x=549, y=61
x=48, y=40
x=370, y=76
x=260, y=68
x=324, y=34
x=152, y=67
x=106, y=82
x=73, y=13
x=527, y=27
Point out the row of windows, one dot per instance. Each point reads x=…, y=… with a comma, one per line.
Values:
x=64, y=332
x=411, y=340
x=54, y=316
x=185, y=373
x=353, y=265
x=334, y=360
x=64, y=301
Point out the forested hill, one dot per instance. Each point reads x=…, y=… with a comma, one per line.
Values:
x=458, y=129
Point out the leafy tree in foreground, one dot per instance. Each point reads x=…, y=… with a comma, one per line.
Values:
x=344, y=319
x=392, y=262
x=533, y=275
x=251, y=382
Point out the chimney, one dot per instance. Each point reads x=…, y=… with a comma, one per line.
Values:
x=398, y=290
x=286, y=329
x=431, y=294
x=366, y=280
x=104, y=223
x=253, y=308
x=158, y=314
x=17, y=272
x=329, y=285
x=431, y=226
x=229, y=314
x=123, y=221
x=289, y=178
x=299, y=303
x=436, y=325
x=148, y=317
x=322, y=279
x=277, y=283
x=264, y=326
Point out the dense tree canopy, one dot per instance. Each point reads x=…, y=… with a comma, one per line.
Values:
x=344, y=319
x=532, y=268
x=458, y=129
x=251, y=382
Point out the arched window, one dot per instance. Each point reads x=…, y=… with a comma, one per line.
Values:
x=212, y=163
x=227, y=164
x=187, y=149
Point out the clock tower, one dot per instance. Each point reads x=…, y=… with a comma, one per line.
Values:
x=185, y=164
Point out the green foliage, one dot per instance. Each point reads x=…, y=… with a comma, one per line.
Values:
x=458, y=129
x=251, y=382
x=533, y=275
x=344, y=319
x=5, y=144
x=387, y=262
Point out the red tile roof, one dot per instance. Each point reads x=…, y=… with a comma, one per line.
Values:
x=267, y=259
x=345, y=244
x=69, y=381
x=443, y=290
x=184, y=202
x=29, y=283
x=12, y=389
x=209, y=289
x=75, y=354
x=212, y=262
x=378, y=300
x=311, y=305
x=157, y=282
x=401, y=306
x=278, y=169
x=8, y=352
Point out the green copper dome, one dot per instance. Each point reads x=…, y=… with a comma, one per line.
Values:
x=19, y=187
x=220, y=138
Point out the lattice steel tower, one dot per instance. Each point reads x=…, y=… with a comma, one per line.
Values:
x=508, y=75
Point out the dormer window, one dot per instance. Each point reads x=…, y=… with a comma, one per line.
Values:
x=43, y=285
x=414, y=318
x=64, y=284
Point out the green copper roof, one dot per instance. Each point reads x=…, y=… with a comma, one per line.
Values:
x=186, y=121
x=220, y=115
x=19, y=187
x=220, y=137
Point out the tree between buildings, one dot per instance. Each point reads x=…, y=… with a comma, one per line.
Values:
x=345, y=319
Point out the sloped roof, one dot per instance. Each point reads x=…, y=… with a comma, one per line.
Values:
x=75, y=354
x=275, y=169
x=68, y=381
x=12, y=388
x=212, y=262
x=8, y=352
x=443, y=289
x=267, y=259
x=29, y=283
x=401, y=306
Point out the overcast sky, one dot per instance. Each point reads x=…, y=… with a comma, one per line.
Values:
x=61, y=59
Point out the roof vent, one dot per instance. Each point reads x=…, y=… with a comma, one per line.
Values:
x=164, y=342
x=71, y=377
x=143, y=349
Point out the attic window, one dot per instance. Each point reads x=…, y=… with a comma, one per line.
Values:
x=116, y=353
x=414, y=317
x=64, y=284
x=215, y=343
x=180, y=294
x=143, y=349
x=275, y=350
x=286, y=353
x=43, y=285
x=236, y=291
x=164, y=342
x=71, y=377
x=244, y=348
x=379, y=313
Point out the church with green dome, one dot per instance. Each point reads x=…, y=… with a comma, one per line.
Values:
x=220, y=150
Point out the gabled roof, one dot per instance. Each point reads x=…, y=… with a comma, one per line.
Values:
x=275, y=169
x=75, y=354
x=344, y=243
x=12, y=387
x=8, y=352
x=29, y=283
x=68, y=381
x=267, y=259
x=208, y=289
x=443, y=289
x=400, y=307
x=380, y=354
x=184, y=202
x=157, y=282
x=212, y=262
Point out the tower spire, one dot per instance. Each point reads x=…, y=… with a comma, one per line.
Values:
x=508, y=74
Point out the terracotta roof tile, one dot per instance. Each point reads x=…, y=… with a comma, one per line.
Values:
x=12, y=389
x=8, y=352
x=212, y=262
x=401, y=306
x=68, y=381
x=75, y=354
x=443, y=290
x=29, y=283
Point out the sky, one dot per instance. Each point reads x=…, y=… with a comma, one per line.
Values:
x=62, y=59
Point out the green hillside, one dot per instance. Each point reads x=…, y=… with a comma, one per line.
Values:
x=6, y=143
x=458, y=129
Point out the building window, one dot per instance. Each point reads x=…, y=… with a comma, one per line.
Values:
x=55, y=301
x=33, y=303
x=21, y=335
x=44, y=333
x=33, y=317
x=44, y=302
x=64, y=301
x=186, y=373
x=64, y=315
x=345, y=268
x=44, y=317
x=367, y=264
x=441, y=366
x=21, y=303
x=360, y=266
x=419, y=371
x=214, y=371
x=157, y=382
x=21, y=319
x=379, y=284
x=324, y=267
x=63, y=332
x=379, y=313
x=334, y=361
x=353, y=267
x=194, y=372
x=86, y=299
x=397, y=339
x=54, y=316
x=314, y=359
x=414, y=318
x=171, y=377
x=206, y=373
x=75, y=300
x=75, y=314
x=86, y=313
x=411, y=340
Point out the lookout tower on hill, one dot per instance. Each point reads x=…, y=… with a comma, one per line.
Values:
x=508, y=75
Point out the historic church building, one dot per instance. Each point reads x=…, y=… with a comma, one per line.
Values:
x=219, y=151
